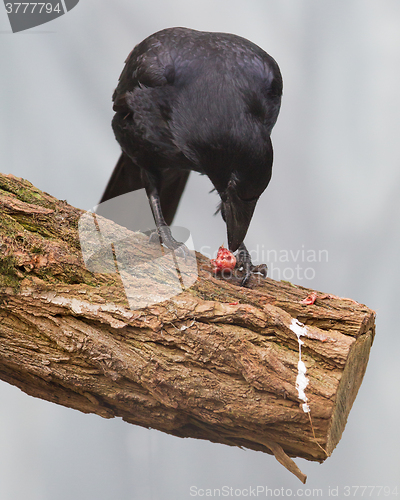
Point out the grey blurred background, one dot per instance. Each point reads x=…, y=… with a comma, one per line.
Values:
x=335, y=187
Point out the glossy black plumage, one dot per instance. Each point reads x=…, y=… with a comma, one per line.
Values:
x=190, y=100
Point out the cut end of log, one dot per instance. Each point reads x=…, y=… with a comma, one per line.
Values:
x=350, y=382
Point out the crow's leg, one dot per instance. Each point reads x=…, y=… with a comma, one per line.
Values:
x=243, y=260
x=163, y=230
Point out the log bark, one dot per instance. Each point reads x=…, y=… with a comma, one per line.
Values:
x=214, y=361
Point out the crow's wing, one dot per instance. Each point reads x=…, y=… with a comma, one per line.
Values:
x=172, y=187
x=150, y=67
x=126, y=177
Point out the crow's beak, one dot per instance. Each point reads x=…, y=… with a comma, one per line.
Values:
x=237, y=214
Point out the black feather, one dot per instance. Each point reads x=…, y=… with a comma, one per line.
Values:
x=190, y=100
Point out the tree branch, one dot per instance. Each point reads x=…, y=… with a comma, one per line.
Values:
x=214, y=361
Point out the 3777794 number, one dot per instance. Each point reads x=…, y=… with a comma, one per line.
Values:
x=31, y=7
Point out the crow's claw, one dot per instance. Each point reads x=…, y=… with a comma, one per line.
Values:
x=260, y=269
x=164, y=236
x=243, y=261
x=182, y=251
x=154, y=238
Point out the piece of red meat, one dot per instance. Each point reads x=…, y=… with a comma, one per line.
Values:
x=225, y=260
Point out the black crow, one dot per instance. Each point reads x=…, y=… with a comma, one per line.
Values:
x=192, y=100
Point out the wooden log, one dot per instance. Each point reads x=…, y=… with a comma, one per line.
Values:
x=214, y=361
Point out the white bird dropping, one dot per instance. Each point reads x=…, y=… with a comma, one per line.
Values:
x=301, y=380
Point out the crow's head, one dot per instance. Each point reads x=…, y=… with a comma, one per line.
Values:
x=239, y=198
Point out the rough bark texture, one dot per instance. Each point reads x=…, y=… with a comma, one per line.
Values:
x=216, y=361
